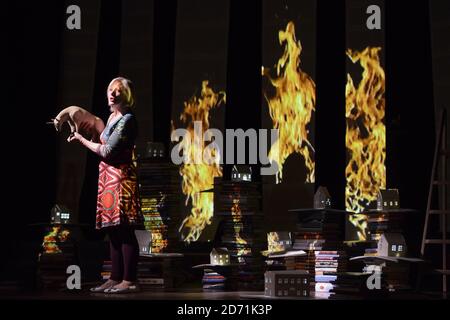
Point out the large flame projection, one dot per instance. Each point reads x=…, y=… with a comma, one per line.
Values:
x=292, y=106
x=198, y=177
x=365, y=137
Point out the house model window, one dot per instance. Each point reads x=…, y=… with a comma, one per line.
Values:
x=388, y=199
x=241, y=173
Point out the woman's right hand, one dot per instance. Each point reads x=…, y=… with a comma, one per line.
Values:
x=74, y=136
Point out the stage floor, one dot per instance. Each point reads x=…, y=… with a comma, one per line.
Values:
x=187, y=294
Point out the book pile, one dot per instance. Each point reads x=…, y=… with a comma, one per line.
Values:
x=379, y=222
x=161, y=270
x=218, y=279
x=387, y=222
x=58, y=253
x=150, y=274
x=238, y=205
x=355, y=284
x=160, y=192
x=323, y=266
x=394, y=274
x=52, y=270
x=106, y=270
x=319, y=229
x=319, y=233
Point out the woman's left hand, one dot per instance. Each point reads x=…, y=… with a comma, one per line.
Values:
x=74, y=136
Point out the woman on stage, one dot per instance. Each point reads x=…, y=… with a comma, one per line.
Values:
x=118, y=206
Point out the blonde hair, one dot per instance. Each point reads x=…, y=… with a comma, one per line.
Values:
x=128, y=90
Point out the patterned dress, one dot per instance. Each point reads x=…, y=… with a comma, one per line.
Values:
x=118, y=197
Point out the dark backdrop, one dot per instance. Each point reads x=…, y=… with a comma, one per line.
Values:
x=34, y=46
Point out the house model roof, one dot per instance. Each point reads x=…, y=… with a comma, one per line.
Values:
x=393, y=237
x=219, y=251
x=242, y=168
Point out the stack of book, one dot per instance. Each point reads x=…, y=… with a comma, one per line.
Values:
x=319, y=229
x=355, y=284
x=379, y=222
x=320, y=233
x=238, y=204
x=151, y=275
x=58, y=253
x=52, y=270
x=154, y=223
x=395, y=273
x=106, y=270
x=215, y=279
x=160, y=192
x=328, y=266
x=160, y=270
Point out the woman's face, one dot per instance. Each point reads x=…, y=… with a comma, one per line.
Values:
x=115, y=94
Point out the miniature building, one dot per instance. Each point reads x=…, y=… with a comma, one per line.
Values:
x=154, y=150
x=220, y=256
x=287, y=283
x=322, y=198
x=392, y=245
x=279, y=241
x=388, y=199
x=60, y=215
x=241, y=173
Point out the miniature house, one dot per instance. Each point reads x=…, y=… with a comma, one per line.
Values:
x=388, y=199
x=279, y=241
x=322, y=198
x=60, y=215
x=392, y=245
x=241, y=173
x=154, y=150
x=220, y=256
x=144, y=238
x=287, y=283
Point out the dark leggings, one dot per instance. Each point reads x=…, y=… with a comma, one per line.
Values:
x=124, y=253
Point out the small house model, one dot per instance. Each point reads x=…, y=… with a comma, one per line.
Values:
x=60, y=215
x=241, y=173
x=154, y=150
x=392, y=245
x=388, y=199
x=144, y=238
x=279, y=241
x=322, y=198
x=220, y=256
x=287, y=283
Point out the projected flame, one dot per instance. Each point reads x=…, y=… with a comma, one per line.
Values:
x=365, y=137
x=50, y=243
x=273, y=240
x=157, y=227
x=292, y=106
x=198, y=177
x=237, y=219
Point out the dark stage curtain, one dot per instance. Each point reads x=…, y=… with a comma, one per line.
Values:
x=107, y=68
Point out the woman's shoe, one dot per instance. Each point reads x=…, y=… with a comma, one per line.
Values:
x=129, y=289
x=107, y=285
